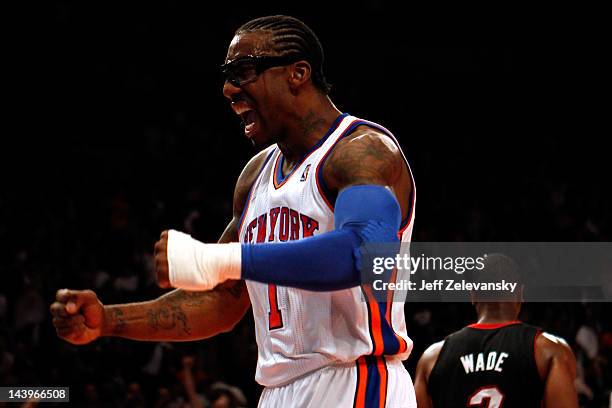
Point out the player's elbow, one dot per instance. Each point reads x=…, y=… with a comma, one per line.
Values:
x=227, y=326
x=235, y=312
x=222, y=324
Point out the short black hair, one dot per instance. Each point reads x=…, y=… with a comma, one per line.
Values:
x=292, y=36
x=497, y=267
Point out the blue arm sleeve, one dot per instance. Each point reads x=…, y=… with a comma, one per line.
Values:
x=328, y=261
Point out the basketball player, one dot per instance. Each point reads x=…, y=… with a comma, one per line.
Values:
x=498, y=361
x=328, y=183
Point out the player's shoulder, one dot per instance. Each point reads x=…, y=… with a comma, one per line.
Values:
x=549, y=348
x=368, y=137
x=552, y=345
x=251, y=169
x=248, y=176
x=433, y=351
x=366, y=156
x=430, y=357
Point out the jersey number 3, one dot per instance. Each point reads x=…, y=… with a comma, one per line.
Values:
x=275, y=317
x=489, y=397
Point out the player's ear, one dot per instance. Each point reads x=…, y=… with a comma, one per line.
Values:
x=300, y=74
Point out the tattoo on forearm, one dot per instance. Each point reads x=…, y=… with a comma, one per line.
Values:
x=168, y=317
x=118, y=321
x=190, y=299
x=197, y=299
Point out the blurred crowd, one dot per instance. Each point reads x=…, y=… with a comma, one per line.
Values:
x=103, y=240
x=125, y=133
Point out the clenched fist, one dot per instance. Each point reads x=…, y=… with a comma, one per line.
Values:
x=78, y=315
x=161, y=260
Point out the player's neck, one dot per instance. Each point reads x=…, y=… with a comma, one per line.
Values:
x=495, y=320
x=310, y=124
x=496, y=313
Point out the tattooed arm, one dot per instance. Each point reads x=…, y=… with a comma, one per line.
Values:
x=179, y=315
x=368, y=156
x=79, y=317
x=369, y=177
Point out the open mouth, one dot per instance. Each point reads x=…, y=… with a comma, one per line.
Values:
x=247, y=115
x=249, y=120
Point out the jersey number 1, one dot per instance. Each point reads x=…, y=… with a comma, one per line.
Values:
x=489, y=397
x=275, y=316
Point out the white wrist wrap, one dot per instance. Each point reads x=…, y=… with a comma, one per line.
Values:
x=193, y=265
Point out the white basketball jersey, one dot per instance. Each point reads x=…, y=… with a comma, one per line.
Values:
x=299, y=331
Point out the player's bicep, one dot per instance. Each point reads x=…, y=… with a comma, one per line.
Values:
x=368, y=158
x=559, y=384
x=559, y=389
x=420, y=385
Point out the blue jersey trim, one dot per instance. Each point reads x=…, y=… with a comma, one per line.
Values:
x=278, y=176
x=373, y=383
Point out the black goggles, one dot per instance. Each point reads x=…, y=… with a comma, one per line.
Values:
x=244, y=70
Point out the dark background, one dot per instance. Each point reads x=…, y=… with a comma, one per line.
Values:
x=117, y=129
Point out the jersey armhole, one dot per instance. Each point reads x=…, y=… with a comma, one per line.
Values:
x=433, y=369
